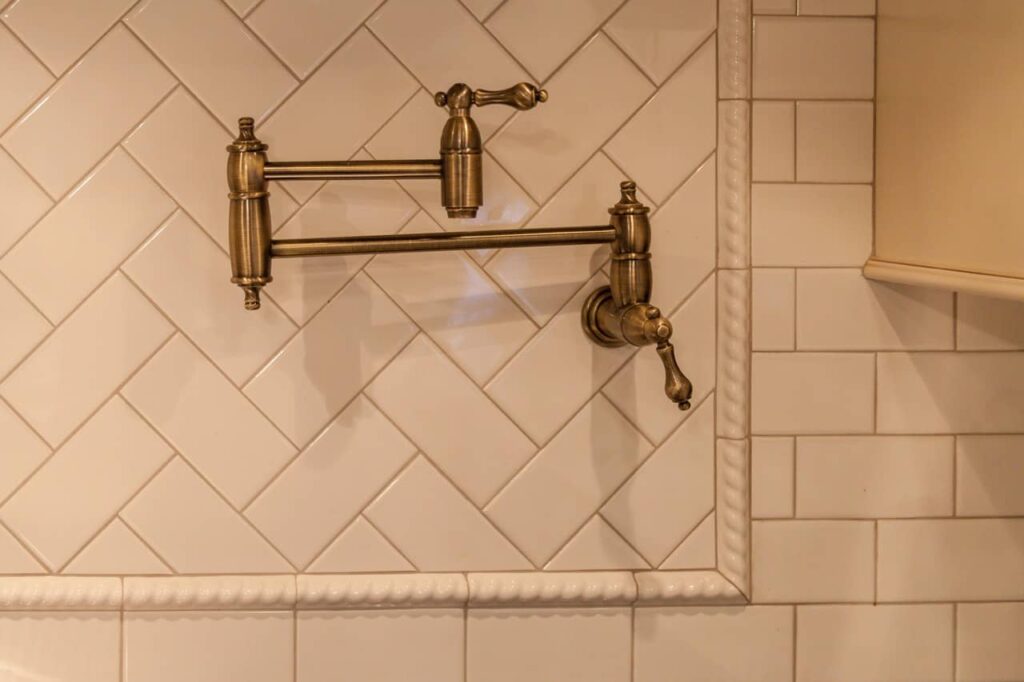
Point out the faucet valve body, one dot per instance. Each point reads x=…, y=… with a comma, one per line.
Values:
x=249, y=234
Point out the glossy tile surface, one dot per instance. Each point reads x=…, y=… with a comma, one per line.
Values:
x=660, y=34
x=61, y=646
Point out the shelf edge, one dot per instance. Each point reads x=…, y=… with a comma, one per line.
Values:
x=998, y=286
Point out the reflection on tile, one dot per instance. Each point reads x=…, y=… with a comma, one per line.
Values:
x=597, y=547
x=84, y=647
x=660, y=34
x=24, y=327
x=116, y=550
x=22, y=80
x=360, y=549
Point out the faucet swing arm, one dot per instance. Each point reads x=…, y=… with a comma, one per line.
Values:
x=613, y=315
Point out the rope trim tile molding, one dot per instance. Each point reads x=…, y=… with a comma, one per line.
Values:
x=729, y=583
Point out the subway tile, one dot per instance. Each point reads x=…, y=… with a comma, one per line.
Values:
x=209, y=421
x=811, y=225
x=789, y=397
x=775, y=6
x=773, y=134
x=195, y=530
x=77, y=491
x=813, y=58
x=360, y=548
x=60, y=31
x=116, y=551
x=100, y=99
x=24, y=326
x=988, y=642
x=312, y=378
x=774, y=309
x=25, y=201
x=674, y=131
x=950, y=392
x=117, y=195
x=544, y=147
x=661, y=34
x=911, y=643
x=22, y=80
x=190, y=35
x=724, y=644
x=951, y=560
x=78, y=366
x=451, y=426
x=837, y=7
x=383, y=646
x=874, y=476
x=326, y=486
x=23, y=451
x=80, y=646
x=813, y=561
x=208, y=646
x=835, y=141
x=838, y=309
x=772, y=477
x=989, y=475
x=447, y=533
x=597, y=547
x=550, y=644
x=984, y=323
x=555, y=494
x=184, y=273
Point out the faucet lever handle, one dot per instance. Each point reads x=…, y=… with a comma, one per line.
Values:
x=677, y=387
x=520, y=96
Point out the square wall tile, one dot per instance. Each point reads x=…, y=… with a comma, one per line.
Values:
x=512, y=645
x=773, y=156
x=82, y=646
x=835, y=141
x=988, y=642
x=989, y=475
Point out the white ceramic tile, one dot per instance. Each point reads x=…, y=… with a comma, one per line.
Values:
x=813, y=561
x=788, y=396
x=24, y=327
x=660, y=34
x=811, y=225
x=548, y=644
x=697, y=551
x=951, y=560
x=208, y=646
x=447, y=533
x=638, y=389
x=481, y=9
x=117, y=195
x=543, y=34
x=597, y=547
x=60, y=31
x=383, y=646
x=451, y=425
x=775, y=6
x=912, y=643
x=773, y=134
x=989, y=475
x=75, y=369
x=984, y=323
x=195, y=530
x=116, y=550
x=241, y=7
x=543, y=147
x=25, y=201
x=185, y=274
x=724, y=644
x=874, y=476
x=665, y=499
x=100, y=99
x=304, y=32
x=809, y=58
x=462, y=309
x=559, y=355
x=23, y=451
x=773, y=310
x=209, y=421
x=190, y=35
x=772, y=477
x=330, y=482
x=988, y=642
x=23, y=78
x=318, y=371
x=360, y=549
x=837, y=7
x=345, y=208
x=543, y=280
x=674, y=131
x=838, y=309
x=554, y=495
x=340, y=107
x=835, y=141
x=83, y=485
x=84, y=647
x=14, y=558
x=950, y=392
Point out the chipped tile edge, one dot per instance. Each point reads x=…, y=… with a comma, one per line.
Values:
x=228, y=593
x=657, y=588
x=583, y=588
x=734, y=44
x=381, y=590
x=60, y=593
x=732, y=520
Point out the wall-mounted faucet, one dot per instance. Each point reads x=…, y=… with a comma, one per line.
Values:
x=612, y=316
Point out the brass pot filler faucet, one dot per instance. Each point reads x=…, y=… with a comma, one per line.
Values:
x=612, y=315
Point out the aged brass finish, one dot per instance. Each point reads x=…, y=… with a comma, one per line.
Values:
x=614, y=315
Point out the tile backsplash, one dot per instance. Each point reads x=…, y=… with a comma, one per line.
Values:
x=366, y=474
